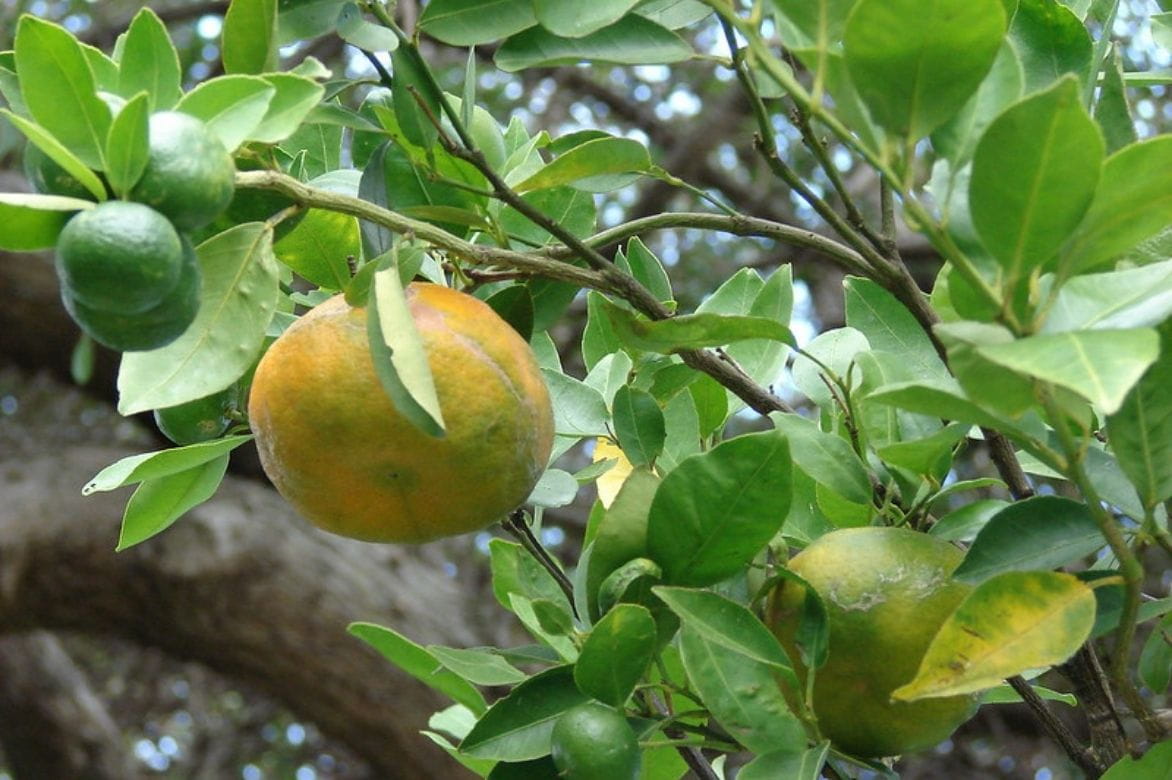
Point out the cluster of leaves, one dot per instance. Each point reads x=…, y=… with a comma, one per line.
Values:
x=999, y=127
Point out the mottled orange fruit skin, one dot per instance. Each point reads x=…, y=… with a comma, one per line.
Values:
x=336, y=449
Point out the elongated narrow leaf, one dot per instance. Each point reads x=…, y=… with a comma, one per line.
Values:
x=1141, y=434
x=742, y=693
x=1008, y=624
x=1034, y=174
x=238, y=295
x=716, y=510
x=231, y=106
x=639, y=425
x=633, y=40
x=469, y=22
x=621, y=535
x=479, y=667
x=728, y=624
x=616, y=654
x=942, y=399
x=149, y=62
x=418, y=662
x=1131, y=204
x=159, y=502
x=691, y=331
x=127, y=148
x=594, y=158
x=793, y=765
x=34, y=221
x=825, y=457
x=1100, y=365
x=518, y=727
x=1130, y=298
x=59, y=90
x=163, y=463
x=915, y=63
x=1043, y=532
x=55, y=151
x=250, y=37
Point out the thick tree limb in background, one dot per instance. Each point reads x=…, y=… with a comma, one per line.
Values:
x=51, y=722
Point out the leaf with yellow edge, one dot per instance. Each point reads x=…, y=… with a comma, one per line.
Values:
x=1009, y=623
x=609, y=483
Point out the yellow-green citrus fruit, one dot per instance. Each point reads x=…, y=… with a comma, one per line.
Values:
x=886, y=591
x=49, y=178
x=594, y=742
x=119, y=257
x=335, y=447
x=203, y=419
x=189, y=175
x=156, y=327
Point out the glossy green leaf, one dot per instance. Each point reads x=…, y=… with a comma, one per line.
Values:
x=160, y=464
x=793, y=765
x=826, y=457
x=1130, y=298
x=633, y=40
x=1043, y=532
x=55, y=151
x=317, y=248
x=987, y=384
x=359, y=32
x=716, y=510
x=158, y=503
x=1050, y=41
x=1100, y=365
x=515, y=571
x=741, y=693
x=572, y=19
x=915, y=63
x=641, y=263
x=33, y=221
x=294, y=97
x=889, y=326
x=518, y=726
x=249, y=40
x=127, y=148
x=578, y=409
x=939, y=398
x=1010, y=623
x=963, y=524
x=1034, y=174
x=923, y=455
x=403, y=369
x=417, y=106
x=58, y=89
x=621, y=535
x=725, y=623
x=594, y=158
x=479, y=667
x=149, y=62
x=231, y=106
x=673, y=14
x=836, y=350
x=1141, y=434
x=418, y=662
x=469, y=22
x=1131, y=204
x=639, y=426
x=1112, y=111
x=711, y=400
x=690, y=331
x=1153, y=765
x=957, y=138
x=573, y=209
x=299, y=20
x=238, y=296
x=1005, y=694
x=555, y=488
x=616, y=654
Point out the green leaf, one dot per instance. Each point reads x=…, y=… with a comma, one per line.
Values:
x=923, y=455
x=594, y=158
x=633, y=40
x=231, y=106
x=518, y=726
x=889, y=326
x=1112, y=111
x=711, y=400
x=638, y=423
x=159, y=502
x=1153, y=765
x=418, y=662
x=514, y=571
x=621, y=535
x=33, y=221
x=127, y=148
x=150, y=63
x=1132, y=203
x=1005, y=694
x=1043, y=532
x=573, y=19
x=1100, y=365
x=299, y=20
x=470, y=22
x=963, y=524
x=249, y=39
x=555, y=488
x=987, y=384
x=837, y=350
x=479, y=667
x=957, y=138
x=356, y=31
x=727, y=624
x=293, y=99
x=238, y=296
x=915, y=63
x=53, y=149
x=318, y=247
x=690, y=331
x=716, y=510
x=1141, y=433
x=1050, y=42
x=741, y=693
x=411, y=87
x=1010, y=623
x=642, y=264
x=1131, y=298
x=160, y=464
x=572, y=209
x=1155, y=660
x=578, y=409
x=673, y=14
x=616, y=653
x=826, y=457
x=514, y=304
x=791, y=764
x=402, y=367
x=939, y=398
x=58, y=89
x=1034, y=174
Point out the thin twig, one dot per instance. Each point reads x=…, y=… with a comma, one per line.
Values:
x=516, y=525
x=1086, y=759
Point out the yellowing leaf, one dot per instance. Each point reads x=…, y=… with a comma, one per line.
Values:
x=610, y=482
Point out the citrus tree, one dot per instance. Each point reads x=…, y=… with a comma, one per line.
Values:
x=783, y=568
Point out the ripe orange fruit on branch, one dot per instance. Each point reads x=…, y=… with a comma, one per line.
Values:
x=334, y=446
x=886, y=592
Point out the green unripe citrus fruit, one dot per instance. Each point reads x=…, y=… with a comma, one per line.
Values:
x=49, y=178
x=203, y=419
x=119, y=257
x=189, y=174
x=886, y=592
x=156, y=327
x=594, y=742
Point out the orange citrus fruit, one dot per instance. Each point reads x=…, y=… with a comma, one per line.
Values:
x=886, y=592
x=335, y=447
